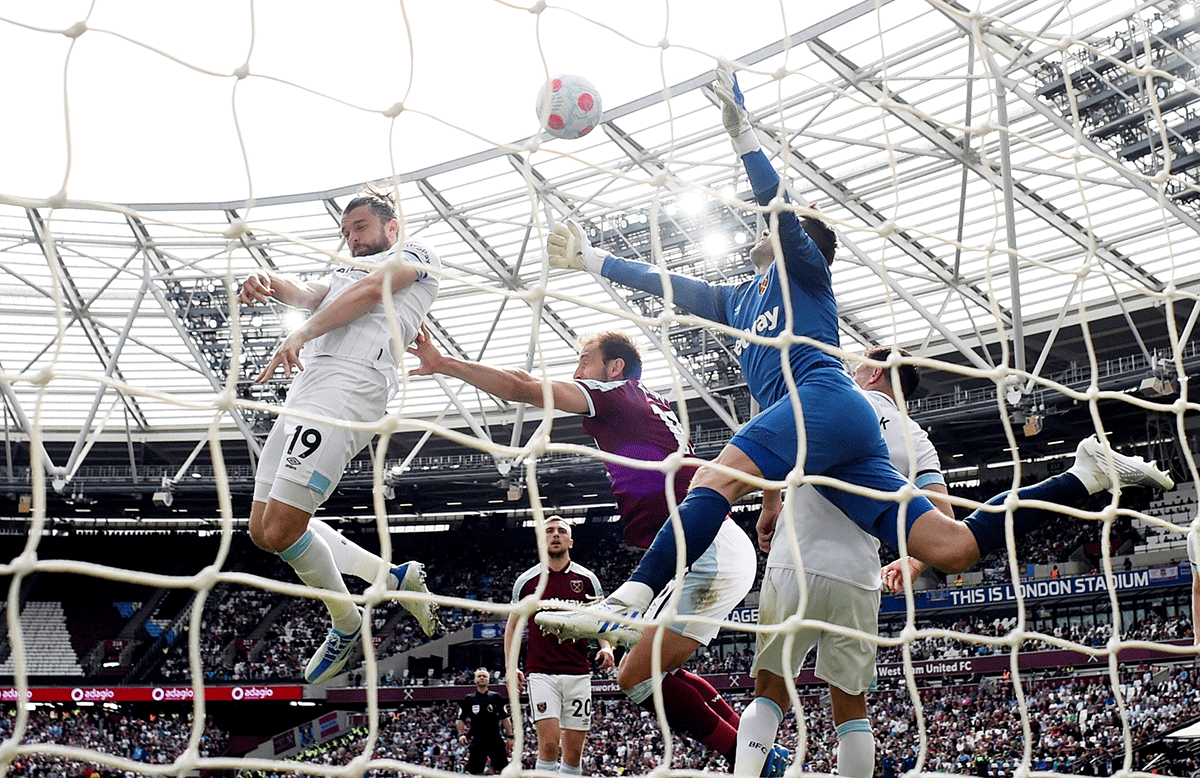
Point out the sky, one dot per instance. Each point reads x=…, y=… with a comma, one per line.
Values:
x=144, y=103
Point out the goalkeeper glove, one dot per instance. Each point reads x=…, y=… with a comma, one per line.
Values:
x=733, y=111
x=566, y=247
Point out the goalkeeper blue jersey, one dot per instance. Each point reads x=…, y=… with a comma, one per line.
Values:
x=758, y=305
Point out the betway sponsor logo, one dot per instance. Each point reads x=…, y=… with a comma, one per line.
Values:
x=252, y=692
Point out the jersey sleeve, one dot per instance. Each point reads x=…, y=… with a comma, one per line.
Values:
x=421, y=256
x=462, y=709
x=691, y=294
x=522, y=579
x=606, y=400
x=804, y=260
x=593, y=581
x=927, y=463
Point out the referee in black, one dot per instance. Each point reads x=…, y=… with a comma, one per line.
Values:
x=486, y=711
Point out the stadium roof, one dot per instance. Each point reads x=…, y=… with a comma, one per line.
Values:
x=1071, y=235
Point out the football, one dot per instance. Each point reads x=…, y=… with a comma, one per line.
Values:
x=568, y=106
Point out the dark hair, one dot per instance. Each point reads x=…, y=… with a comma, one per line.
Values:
x=910, y=377
x=381, y=202
x=822, y=235
x=618, y=345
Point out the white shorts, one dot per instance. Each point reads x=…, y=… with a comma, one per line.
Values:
x=567, y=698
x=846, y=662
x=719, y=580
x=302, y=460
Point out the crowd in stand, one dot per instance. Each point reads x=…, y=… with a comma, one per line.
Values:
x=1153, y=628
x=157, y=739
x=257, y=635
x=1075, y=726
x=975, y=729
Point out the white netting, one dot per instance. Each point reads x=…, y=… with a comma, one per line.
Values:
x=1019, y=173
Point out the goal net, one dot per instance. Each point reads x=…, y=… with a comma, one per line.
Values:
x=1014, y=187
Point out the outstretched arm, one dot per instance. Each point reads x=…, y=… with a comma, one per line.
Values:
x=566, y=247
x=803, y=258
x=359, y=298
x=690, y=294
x=507, y=384
x=264, y=287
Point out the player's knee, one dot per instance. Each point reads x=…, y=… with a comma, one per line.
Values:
x=732, y=489
x=629, y=676
x=278, y=536
x=956, y=558
x=258, y=538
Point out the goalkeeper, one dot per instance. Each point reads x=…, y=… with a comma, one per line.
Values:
x=836, y=433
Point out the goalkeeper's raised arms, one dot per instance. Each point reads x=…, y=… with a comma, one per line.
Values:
x=733, y=111
x=567, y=248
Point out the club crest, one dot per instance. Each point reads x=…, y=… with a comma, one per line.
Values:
x=577, y=586
x=762, y=285
x=541, y=706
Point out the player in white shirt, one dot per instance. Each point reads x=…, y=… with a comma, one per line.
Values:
x=345, y=357
x=840, y=564
x=842, y=576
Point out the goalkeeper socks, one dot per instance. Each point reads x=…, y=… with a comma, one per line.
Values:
x=988, y=527
x=856, y=749
x=545, y=765
x=351, y=558
x=313, y=562
x=756, y=736
x=701, y=513
x=711, y=696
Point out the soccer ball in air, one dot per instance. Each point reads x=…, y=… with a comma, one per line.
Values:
x=568, y=106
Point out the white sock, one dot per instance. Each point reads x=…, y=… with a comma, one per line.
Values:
x=351, y=558
x=756, y=736
x=856, y=749
x=545, y=765
x=571, y=769
x=313, y=562
x=1094, y=482
x=635, y=595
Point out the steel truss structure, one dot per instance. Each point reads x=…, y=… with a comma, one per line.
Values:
x=1015, y=188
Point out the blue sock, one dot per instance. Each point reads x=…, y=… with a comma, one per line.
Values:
x=701, y=512
x=988, y=527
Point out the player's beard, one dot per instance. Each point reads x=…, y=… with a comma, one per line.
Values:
x=375, y=247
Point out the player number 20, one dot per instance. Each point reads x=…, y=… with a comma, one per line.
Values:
x=583, y=708
x=309, y=438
